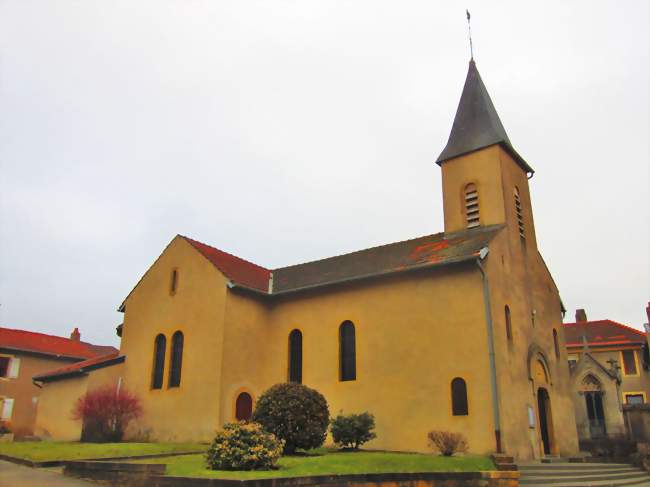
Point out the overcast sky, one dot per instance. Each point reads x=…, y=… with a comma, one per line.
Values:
x=287, y=131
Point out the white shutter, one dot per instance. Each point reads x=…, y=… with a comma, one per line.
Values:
x=7, y=408
x=14, y=366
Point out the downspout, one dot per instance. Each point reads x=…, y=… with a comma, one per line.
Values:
x=490, y=336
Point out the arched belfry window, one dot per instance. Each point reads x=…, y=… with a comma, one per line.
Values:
x=244, y=407
x=159, y=347
x=471, y=206
x=295, y=357
x=347, y=352
x=556, y=344
x=176, y=360
x=520, y=216
x=459, y=397
x=508, y=323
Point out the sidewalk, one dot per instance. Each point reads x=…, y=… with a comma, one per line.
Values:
x=12, y=475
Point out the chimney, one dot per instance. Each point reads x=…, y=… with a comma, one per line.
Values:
x=581, y=315
x=75, y=335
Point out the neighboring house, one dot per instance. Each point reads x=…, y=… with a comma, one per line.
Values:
x=609, y=369
x=458, y=331
x=24, y=354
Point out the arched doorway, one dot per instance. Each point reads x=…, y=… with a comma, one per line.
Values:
x=244, y=407
x=545, y=420
x=592, y=390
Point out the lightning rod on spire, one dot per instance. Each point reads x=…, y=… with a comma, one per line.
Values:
x=469, y=29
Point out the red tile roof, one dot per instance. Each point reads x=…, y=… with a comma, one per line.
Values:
x=80, y=368
x=29, y=341
x=602, y=333
x=234, y=268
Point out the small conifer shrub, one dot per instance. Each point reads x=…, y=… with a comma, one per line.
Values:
x=447, y=443
x=353, y=430
x=243, y=446
x=294, y=413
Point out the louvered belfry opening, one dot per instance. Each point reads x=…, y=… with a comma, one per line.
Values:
x=471, y=206
x=520, y=216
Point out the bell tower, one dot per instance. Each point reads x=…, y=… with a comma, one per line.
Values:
x=484, y=179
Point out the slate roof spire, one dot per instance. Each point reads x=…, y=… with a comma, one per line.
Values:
x=477, y=124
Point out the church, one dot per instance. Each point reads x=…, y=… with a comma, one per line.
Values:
x=458, y=331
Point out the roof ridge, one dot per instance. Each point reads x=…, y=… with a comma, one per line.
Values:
x=225, y=252
x=358, y=251
x=46, y=335
x=607, y=320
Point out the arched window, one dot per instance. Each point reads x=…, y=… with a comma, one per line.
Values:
x=520, y=216
x=244, y=407
x=508, y=323
x=173, y=282
x=158, y=361
x=347, y=352
x=471, y=206
x=176, y=360
x=459, y=397
x=556, y=345
x=295, y=357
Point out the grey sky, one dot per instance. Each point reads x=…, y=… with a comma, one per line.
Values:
x=285, y=131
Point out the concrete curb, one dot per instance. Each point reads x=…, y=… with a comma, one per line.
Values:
x=58, y=463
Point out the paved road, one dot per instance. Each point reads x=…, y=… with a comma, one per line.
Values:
x=12, y=475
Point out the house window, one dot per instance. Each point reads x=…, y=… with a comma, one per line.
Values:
x=6, y=409
x=158, y=361
x=471, y=206
x=295, y=357
x=244, y=407
x=634, y=398
x=173, y=282
x=556, y=345
x=347, y=352
x=4, y=366
x=508, y=324
x=629, y=362
x=459, y=397
x=176, y=360
x=520, y=216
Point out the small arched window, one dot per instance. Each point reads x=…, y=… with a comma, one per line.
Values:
x=508, y=323
x=556, y=345
x=520, y=216
x=459, y=397
x=295, y=357
x=173, y=282
x=347, y=352
x=176, y=360
x=244, y=407
x=471, y=206
x=159, y=347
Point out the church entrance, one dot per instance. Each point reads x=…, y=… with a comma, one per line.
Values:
x=545, y=419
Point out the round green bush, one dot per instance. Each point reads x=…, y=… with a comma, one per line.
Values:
x=294, y=413
x=244, y=446
x=353, y=430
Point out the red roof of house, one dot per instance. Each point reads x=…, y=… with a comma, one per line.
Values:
x=234, y=268
x=80, y=368
x=602, y=333
x=29, y=341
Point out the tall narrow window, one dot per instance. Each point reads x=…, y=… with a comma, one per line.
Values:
x=158, y=361
x=520, y=216
x=459, y=397
x=244, y=407
x=508, y=323
x=295, y=357
x=347, y=352
x=173, y=282
x=629, y=362
x=471, y=206
x=176, y=360
x=556, y=344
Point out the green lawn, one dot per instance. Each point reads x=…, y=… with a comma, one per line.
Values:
x=323, y=463
x=39, y=451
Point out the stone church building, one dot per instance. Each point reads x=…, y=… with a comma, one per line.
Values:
x=459, y=330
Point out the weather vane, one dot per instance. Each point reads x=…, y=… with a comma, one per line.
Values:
x=469, y=28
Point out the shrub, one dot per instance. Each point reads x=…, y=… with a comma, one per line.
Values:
x=353, y=430
x=243, y=446
x=106, y=412
x=447, y=443
x=294, y=413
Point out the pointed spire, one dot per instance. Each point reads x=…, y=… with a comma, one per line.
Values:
x=477, y=124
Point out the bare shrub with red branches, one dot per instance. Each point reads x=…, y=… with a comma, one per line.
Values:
x=106, y=412
x=447, y=443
